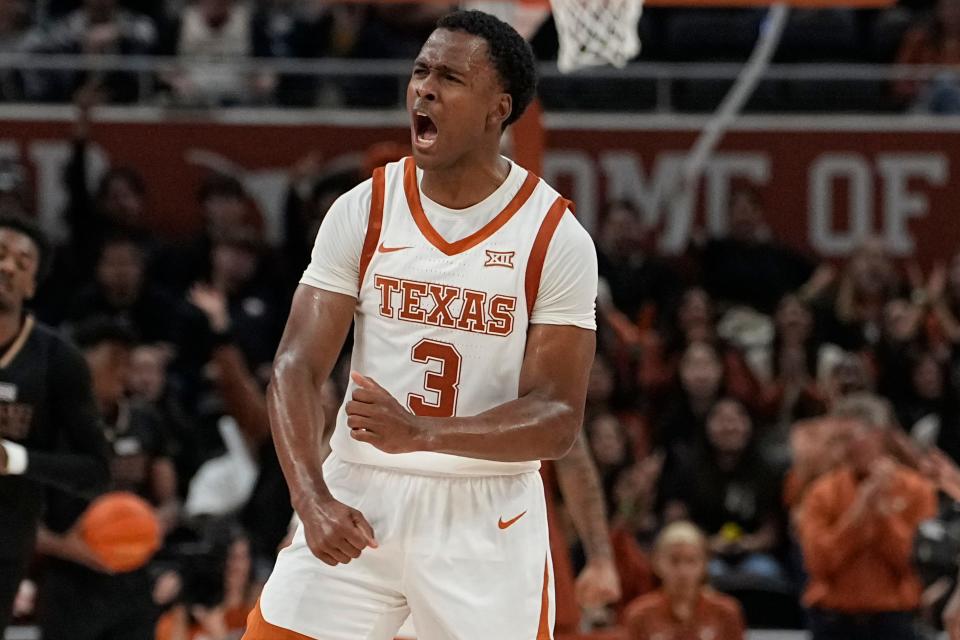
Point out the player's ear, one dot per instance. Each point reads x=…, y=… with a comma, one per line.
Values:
x=501, y=110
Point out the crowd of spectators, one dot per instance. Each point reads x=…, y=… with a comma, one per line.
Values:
x=194, y=35
x=803, y=415
x=782, y=428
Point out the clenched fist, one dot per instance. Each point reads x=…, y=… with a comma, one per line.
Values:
x=374, y=416
x=335, y=533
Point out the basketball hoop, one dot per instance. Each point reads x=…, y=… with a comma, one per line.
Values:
x=596, y=32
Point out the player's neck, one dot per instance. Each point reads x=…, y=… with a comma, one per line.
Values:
x=465, y=184
x=10, y=323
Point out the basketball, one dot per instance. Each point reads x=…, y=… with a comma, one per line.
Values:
x=122, y=530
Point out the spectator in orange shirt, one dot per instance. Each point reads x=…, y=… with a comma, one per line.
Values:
x=819, y=445
x=856, y=526
x=684, y=608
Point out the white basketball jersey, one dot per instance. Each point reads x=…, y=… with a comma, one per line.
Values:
x=443, y=325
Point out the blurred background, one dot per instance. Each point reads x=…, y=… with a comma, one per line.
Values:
x=805, y=295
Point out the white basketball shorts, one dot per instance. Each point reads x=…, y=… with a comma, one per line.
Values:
x=466, y=557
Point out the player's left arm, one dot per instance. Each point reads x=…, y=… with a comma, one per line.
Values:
x=583, y=495
x=599, y=582
x=82, y=467
x=544, y=420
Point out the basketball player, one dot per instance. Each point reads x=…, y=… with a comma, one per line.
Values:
x=49, y=431
x=472, y=288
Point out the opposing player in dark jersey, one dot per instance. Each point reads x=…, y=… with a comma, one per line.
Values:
x=50, y=435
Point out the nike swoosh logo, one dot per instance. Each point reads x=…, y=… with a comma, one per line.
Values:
x=383, y=249
x=504, y=525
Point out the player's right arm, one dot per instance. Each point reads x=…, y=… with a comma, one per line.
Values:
x=320, y=317
x=318, y=324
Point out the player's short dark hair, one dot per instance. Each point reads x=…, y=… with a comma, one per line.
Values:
x=30, y=228
x=510, y=53
x=93, y=332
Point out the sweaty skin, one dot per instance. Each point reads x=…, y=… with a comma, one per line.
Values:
x=318, y=323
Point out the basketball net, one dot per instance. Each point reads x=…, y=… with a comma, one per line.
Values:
x=597, y=32
x=591, y=32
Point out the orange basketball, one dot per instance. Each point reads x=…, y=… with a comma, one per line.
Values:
x=122, y=530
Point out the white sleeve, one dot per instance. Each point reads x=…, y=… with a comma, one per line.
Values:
x=568, y=285
x=335, y=260
x=17, y=458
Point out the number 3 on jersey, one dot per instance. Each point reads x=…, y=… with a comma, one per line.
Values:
x=444, y=383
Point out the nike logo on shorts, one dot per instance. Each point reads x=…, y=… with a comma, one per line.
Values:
x=504, y=525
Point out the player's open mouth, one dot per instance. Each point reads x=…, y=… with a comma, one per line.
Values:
x=424, y=130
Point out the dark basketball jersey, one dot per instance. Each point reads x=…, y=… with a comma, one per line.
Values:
x=47, y=406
